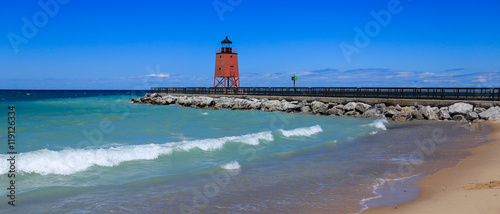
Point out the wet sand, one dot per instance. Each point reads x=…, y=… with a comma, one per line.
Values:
x=473, y=186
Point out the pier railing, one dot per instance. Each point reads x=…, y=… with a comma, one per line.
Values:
x=491, y=94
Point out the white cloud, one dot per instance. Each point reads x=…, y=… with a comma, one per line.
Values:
x=426, y=74
x=480, y=79
x=303, y=73
x=437, y=81
x=159, y=75
x=404, y=74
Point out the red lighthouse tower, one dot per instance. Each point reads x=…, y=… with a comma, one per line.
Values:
x=226, y=66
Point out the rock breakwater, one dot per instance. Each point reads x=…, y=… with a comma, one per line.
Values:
x=459, y=111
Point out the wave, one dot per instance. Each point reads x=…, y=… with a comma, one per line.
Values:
x=379, y=182
x=407, y=160
x=233, y=165
x=70, y=161
x=379, y=123
x=218, y=143
x=308, y=131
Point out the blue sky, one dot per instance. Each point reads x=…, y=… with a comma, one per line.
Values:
x=139, y=44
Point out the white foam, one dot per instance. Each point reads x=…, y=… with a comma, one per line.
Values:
x=308, y=131
x=218, y=143
x=379, y=182
x=233, y=165
x=379, y=123
x=70, y=161
x=408, y=160
x=204, y=113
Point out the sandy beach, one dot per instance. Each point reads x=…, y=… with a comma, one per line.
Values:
x=473, y=186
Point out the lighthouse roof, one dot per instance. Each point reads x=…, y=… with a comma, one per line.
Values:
x=226, y=41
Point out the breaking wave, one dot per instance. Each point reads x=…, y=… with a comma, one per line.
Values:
x=379, y=123
x=233, y=165
x=70, y=161
x=308, y=131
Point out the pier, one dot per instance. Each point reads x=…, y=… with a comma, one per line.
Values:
x=472, y=94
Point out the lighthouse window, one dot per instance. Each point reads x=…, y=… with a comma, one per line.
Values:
x=219, y=68
x=220, y=56
x=231, y=56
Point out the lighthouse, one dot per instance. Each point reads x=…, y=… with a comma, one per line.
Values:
x=226, y=66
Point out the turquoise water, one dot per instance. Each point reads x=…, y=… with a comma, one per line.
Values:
x=98, y=152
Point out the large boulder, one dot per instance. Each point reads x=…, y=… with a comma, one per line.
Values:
x=290, y=106
x=305, y=109
x=491, y=113
x=479, y=109
x=170, y=99
x=371, y=113
x=391, y=112
x=319, y=107
x=471, y=116
x=145, y=99
x=397, y=107
x=444, y=114
x=331, y=105
x=459, y=118
x=255, y=104
x=407, y=109
x=159, y=101
x=362, y=107
x=350, y=106
x=380, y=108
x=460, y=108
x=202, y=101
x=431, y=113
x=272, y=105
x=406, y=114
x=335, y=111
x=241, y=104
x=185, y=101
x=417, y=115
x=353, y=113
x=402, y=116
x=224, y=102
x=156, y=100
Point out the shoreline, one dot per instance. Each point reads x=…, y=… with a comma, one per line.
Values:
x=472, y=186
